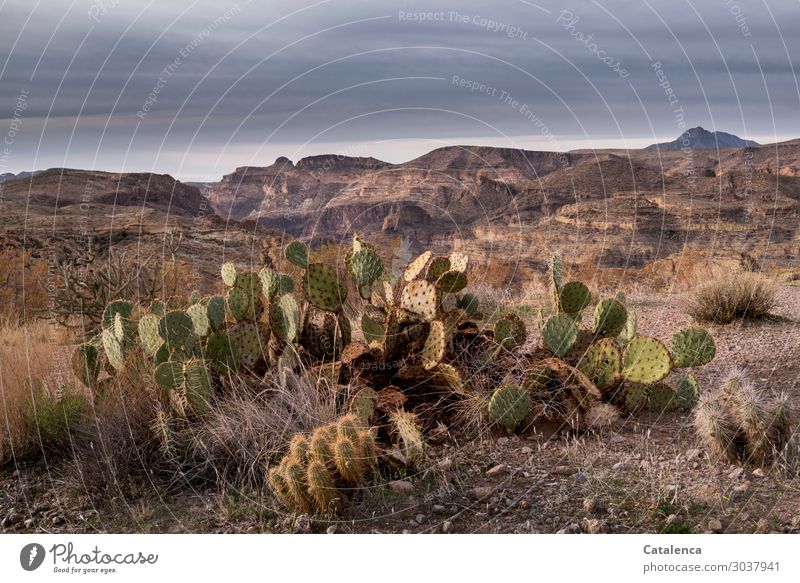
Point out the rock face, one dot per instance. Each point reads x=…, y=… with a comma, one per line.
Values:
x=699, y=138
x=623, y=206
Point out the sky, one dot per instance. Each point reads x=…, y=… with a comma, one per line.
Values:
x=198, y=88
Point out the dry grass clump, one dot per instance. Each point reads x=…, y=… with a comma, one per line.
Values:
x=251, y=426
x=733, y=295
x=741, y=423
x=36, y=408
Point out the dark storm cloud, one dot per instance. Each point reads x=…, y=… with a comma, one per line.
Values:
x=197, y=88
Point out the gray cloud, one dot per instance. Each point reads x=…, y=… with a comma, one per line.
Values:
x=251, y=81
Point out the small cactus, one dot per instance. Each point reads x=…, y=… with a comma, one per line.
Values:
x=407, y=428
x=509, y=406
x=692, y=347
x=610, y=317
x=510, y=332
x=560, y=333
x=646, y=360
x=420, y=297
x=296, y=253
x=322, y=287
x=574, y=297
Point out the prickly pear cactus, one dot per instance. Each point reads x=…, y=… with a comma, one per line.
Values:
x=118, y=307
x=661, y=397
x=510, y=332
x=417, y=266
x=114, y=349
x=200, y=322
x=688, y=391
x=407, y=428
x=458, y=261
x=447, y=376
x=321, y=335
x=169, y=375
x=373, y=331
x=452, y=281
x=297, y=254
x=509, y=406
x=284, y=318
x=629, y=330
x=149, y=337
x=363, y=405
x=602, y=363
x=322, y=287
x=420, y=297
x=469, y=304
x=198, y=385
x=433, y=350
x=175, y=328
x=636, y=397
x=560, y=333
x=250, y=340
x=229, y=274
x=86, y=364
x=692, y=347
x=646, y=360
x=220, y=353
x=366, y=266
x=610, y=316
x=574, y=297
x=436, y=268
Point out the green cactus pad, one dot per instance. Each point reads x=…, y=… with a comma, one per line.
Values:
x=162, y=354
x=220, y=352
x=121, y=307
x=437, y=267
x=284, y=318
x=215, y=310
x=556, y=272
x=610, y=316
x=86, y=364
x=602, y=363
x=372, y=330
x=175, y=328
x=118, y=328
x=149, y=337
x=250, y=341
x=574, y=297
x=452, y=281
x=270, y=282
x=469, y=304
x=420, y=297
x=435, y=343
x=459, y=261
x=417, y=266
x=661, y=397
x=243, y=305
x=169, y=375
x=157, y=307
x=510, y=332
x=296, y=253
x=636, y=397
x=200, y=322
x=629, y=330
x=250, y=282
x=198, y=385
x=366, y=266
x=560, y=333
x=229, y=274
x=692, y=347
x=646, y=361
x=113, y=349
x=363, y=405
x=509, y=406
x=688, y=392
x=322, y=288
x=446, y=375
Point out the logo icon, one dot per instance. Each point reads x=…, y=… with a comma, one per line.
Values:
x=31, y=556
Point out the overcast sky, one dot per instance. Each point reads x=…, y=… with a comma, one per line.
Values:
x=243, y=83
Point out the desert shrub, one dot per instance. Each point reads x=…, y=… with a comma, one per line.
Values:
x=732, y=296
x=250, y=427
x=53, y=416
x=742, y=423
x=22, y=292
x=26, y=373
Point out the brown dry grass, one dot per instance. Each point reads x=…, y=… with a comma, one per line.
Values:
x=727, y=295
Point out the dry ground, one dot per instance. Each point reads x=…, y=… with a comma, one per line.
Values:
x=649, y=476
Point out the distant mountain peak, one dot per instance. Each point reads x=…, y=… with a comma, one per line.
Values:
x=700, y=138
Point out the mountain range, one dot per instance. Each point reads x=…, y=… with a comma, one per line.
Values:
x=620, y=208
x=699, y=139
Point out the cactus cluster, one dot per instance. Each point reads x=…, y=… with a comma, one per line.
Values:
x=740, y=423
x=317, y=472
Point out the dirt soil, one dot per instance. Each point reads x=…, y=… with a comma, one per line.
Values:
x=648, y=476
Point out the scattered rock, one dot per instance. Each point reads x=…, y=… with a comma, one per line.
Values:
x=581, y=478
x=58, y=520
x=758, y=473
x=715, y=525
x=439, y=509
x=420, y=518
x=30, y=523
x=502, y=440
x=401, y=486
x=526, y=450
x=692, y=454
x=447, y=526
x=623, y=465
x=497, y=470
x=595, y=526
x=482, y=491
x=331, y=529
x=570, y=529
